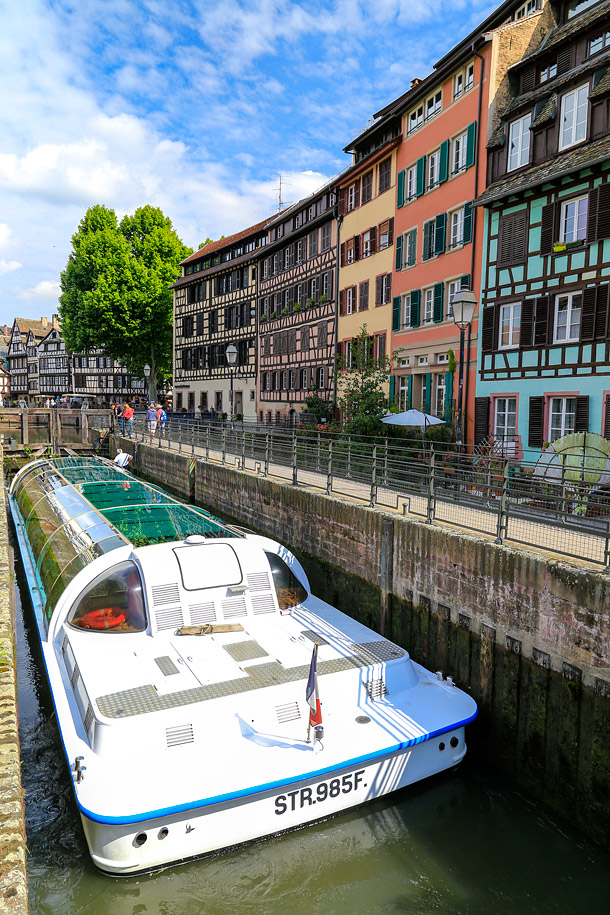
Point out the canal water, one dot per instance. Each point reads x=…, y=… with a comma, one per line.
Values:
x=462, y=843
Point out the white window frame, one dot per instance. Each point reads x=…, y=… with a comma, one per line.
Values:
x=418, y=115
x=366, y=243
x=350, y=300
x=572, y=126
x=386, y=288
x=321, y=379
x=422, y=360
x=548, y=72
x=431, y=110
x=572, y=330
x=347, y=359
x=411, y=183
x=434, y=161
x=504, y=409
x=604, y=41
x=456, y=228
x=403, y=391
x=511, y=314
x=452, y=286
x=469, y=79
x=440, y=394
x=519, y=142
x=406, y=310
x=566, y=414
x=381, y=245
x=458, y=152
x=458, y=85
x=406, y=248
x=351, y=197
x=428, y=303
x=581, y=209
x=350, y=252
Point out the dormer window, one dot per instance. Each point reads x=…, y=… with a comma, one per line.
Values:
x=576, y=7
x=548, y=72
x=574, y=109
x=519, y=143
x=598, y=43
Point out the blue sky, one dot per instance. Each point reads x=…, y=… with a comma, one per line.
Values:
x=195, y=106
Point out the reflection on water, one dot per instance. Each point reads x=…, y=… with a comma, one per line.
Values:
x=463, y=843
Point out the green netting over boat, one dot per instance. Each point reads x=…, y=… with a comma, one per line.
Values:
x=76, y=509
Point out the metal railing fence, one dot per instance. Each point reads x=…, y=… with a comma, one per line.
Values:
x=552, y=508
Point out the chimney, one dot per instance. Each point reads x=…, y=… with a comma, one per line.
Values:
x=44, y=323
x=415, y=82
x=55, y=322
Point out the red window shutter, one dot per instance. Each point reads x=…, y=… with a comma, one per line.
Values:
x=378, y=289
x=343, y=253
x=357, y=193
x=342, y=199
x=391, y=231
x=357, y=247
x=373, y=231
x=547, y=231
x=342, y=302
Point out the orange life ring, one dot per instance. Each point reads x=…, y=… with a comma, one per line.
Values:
x=105, y=618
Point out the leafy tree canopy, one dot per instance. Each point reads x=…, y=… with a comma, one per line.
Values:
x=323, y=410
x=115, y=289
x=361, y=387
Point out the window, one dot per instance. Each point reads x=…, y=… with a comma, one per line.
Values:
x=291, y=379
x=575, y=7
x=452, y=287
x=366, y=243
x=403, y=392
x=351, y=197
x=350, y=251
x=406, y=310
x=367, y=187
x=457, y=228
x=350, y=300
x=548, y=72
x=574, y=107
x=416, y=119
x=313, y=243
x=411, y=183
x=429, y=239
x=434, y=160
x=422, y=360
x=469, y=83
x=519, y=142
x=458, y=85
x=442, y=358
x=384, y=235
x=385, y=175
x=573, y=220
x=441, y=394
x=326, y=232
x=410, y=248
x=562, y=416
x=320, y=380
x=218, y=401
x=527, y=9
x=510, y=325
x=347, y=359
x=120, y=589
x=459, y=153
x=505, y=420
x=599, y=42
x=364, y=295
x=434, y=104
x=567, y=317
x=299, y=252
x=428, y=305
x=304, y=379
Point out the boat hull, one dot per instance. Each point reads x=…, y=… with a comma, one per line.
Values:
x=120, y=849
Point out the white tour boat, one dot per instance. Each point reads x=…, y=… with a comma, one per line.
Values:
x=205, y=697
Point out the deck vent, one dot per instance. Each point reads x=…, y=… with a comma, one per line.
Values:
x=180, y=735
x=64, y=644
x=169, y=619
x=88, y=718
x=263, y=603
x=259, y=581
x=75, y=676
x=288, y=712
x=234, y=607
x=202, y=613
x=376, y=689
x=165, y=594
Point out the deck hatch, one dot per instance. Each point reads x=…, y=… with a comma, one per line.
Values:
x=376, y=652
x=202, y=613
x=165, y=594
x=166, y=666
x=234, y=607
x=169, y=619
x=178, y=736
x=245, y=651
x=288, y=712
x=314, y=636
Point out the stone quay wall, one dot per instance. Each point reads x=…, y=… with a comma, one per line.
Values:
x=13, y=878
x=526, y=635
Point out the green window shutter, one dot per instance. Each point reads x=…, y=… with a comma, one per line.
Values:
x=392, y=388
x=437, y=311
x=409, y=392
x=448, y=396
x=421, y=176
x=439, y=233
x=428, y=397
x=470, y=143
x=415, y=295
x=396, y=313
x=412, y=248
x=399, y=252
x=426, y=249
x=400, y=189
x=465, y=281
x=467, y=222
x=443, y=169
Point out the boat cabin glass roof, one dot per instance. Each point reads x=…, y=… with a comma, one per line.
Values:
x=76, y=509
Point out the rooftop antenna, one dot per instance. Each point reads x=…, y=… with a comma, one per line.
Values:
x=280, y=203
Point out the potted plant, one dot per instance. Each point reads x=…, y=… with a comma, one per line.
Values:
x=298, y=307
x=263, y=318
x=273, y=315
x=285, y=311
x=310, y=301
x=323, y=298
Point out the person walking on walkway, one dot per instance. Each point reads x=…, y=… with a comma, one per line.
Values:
x=128, y=414
x=151, y=418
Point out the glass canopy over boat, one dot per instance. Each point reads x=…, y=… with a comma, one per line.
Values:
x=76, y=509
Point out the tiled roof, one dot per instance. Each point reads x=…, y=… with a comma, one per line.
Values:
x=498, y=137
x=541, y=91
x=569, y=29
x=564, y=164
x=603, y=86
x=26, y=325
x=546, y=113
x=227, y=242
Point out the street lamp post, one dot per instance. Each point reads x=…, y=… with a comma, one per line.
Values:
x=463, y=303
x=231, y=354
x=147, y=376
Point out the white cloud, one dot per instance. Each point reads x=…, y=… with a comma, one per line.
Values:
x=9, y=266
x=45, y=289
x=5, y=234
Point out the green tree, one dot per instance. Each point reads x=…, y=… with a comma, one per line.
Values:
x=115, y=291
x=361, y=385
x=202, y=244
x=323, y=410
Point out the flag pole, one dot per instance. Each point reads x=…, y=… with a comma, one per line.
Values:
x=315, y=667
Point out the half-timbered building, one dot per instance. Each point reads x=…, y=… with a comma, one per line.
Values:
x=544, y=362
x=296, y=307
x=214, y=307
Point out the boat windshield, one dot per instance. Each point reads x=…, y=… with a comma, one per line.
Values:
x=288, y=588
x=113, y=602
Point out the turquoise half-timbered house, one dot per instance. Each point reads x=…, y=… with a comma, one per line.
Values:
x=544, y=344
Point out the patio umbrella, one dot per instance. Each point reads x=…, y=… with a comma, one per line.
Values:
x=412, y=418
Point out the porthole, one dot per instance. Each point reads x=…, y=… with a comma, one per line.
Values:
x=163, y=833
x=441, y=745
x=454, y=742
x=140, y=839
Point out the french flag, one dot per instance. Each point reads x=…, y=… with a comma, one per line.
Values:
x=311, y=693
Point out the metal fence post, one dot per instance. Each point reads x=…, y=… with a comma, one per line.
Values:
x=431, y=507
x=318, y=455
x=385, y=464
x=159, y=431
x=329, y=469
x=294, y=458
x=224, y=443
x=180, y=437
x=207, y=443
x=267, y=452
x=373, y=500
x=503, y=509
x=607, y=547
x=193, y=440
x=243, y=449
x=349, y=457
